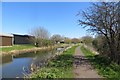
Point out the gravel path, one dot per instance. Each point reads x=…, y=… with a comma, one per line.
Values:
x=82, y=67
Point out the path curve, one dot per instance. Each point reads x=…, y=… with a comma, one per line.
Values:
x=82, y=67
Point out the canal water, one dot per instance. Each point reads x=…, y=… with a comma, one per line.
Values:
x=18, y=65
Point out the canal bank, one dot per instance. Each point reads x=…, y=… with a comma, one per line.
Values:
x=59, y=67
x=34, y=49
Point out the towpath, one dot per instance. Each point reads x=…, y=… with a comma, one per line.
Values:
x=82, y=66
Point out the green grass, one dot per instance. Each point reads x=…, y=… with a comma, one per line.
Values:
x=104, y=66
x=16, y=47
x=60, y=67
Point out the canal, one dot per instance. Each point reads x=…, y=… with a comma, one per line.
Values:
x=18, y=65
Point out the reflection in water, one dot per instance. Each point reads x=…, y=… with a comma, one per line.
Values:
x=31, y=54
x=40, y=61
x=7, y=59
x=14, y=67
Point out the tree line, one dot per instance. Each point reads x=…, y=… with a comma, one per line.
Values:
x=103, y=19
x=42, y=37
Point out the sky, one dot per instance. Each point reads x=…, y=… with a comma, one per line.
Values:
x=56, y=17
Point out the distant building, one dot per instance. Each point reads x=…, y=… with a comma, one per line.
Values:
x=22, y=39
x=6, y=39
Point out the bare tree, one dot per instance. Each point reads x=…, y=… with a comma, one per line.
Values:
x=67, y=40
x=87, y=40
x=56, y=38
x=41, y=34
x=104, y=18
x=75, y=40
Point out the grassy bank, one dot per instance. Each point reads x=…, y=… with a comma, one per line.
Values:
x=25, y=46
x=103, y=65
x=17, y=47
x=60, y=67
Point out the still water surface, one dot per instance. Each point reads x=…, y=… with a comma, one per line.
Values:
x=12, y=66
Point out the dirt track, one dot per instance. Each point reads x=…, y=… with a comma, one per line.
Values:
x=82, y=67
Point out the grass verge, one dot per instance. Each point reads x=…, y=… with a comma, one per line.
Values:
x=104, y=66
x=17, y=47
x=60, y=67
